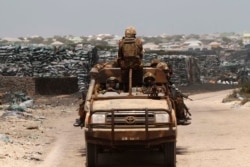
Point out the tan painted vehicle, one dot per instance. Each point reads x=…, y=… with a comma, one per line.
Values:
x=137, y=118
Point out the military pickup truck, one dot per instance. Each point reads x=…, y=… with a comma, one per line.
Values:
x=120, y=119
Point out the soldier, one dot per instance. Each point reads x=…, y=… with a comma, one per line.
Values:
x=130, y=54
x=130, y=51
x=182, y=111
x=112, y=85
x=154, y=63
x=176, y=95
x=149, y=79
x=81, y=112
x=150, y=86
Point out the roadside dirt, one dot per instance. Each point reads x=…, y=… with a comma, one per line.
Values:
x=40, y=135
x=44, y=135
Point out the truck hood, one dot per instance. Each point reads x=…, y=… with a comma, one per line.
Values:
x=129, y=104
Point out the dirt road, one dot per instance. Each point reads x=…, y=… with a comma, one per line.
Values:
x=218, y=136
x=69, y=148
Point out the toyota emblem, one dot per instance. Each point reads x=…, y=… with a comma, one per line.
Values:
x=130, y=119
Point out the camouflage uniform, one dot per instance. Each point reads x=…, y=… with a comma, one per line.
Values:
x=149, y=83
x=130, y=50
x=176, y=96
x=81, y=113
x=130, y=61
x=154, y=63
x=112, y=85
x=130, y=54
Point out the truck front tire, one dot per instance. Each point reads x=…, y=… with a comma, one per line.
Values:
x=169, y=152
x=91, y=156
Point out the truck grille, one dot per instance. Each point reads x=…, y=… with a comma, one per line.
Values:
x=131, y=118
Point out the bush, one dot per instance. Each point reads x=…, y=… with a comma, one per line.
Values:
x=231, y=97
x=245, y=87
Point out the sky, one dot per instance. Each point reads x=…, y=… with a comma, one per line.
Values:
x=47, y=18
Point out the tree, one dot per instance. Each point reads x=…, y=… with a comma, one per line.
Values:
x=48, y=41
x=177, y=38
x=193, y=36
x=36, y=40
x=21, y=38
x=226, y=39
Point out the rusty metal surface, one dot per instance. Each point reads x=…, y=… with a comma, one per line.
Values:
x=129, y=116
x=128, y=104
x=131, y=137
x=116, y=72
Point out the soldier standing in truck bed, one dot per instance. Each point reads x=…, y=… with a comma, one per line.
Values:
x=130, y=54
x=130, y=51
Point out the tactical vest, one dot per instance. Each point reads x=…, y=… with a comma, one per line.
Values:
x=130, y=53
x=129, y=48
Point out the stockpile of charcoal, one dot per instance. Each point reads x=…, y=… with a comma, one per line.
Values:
x=209, y=67
x=235, y=65
x=106, y=56
x=60, y=61
x=48, y=61
x=179, y=64
x=227, y=67
x=188, y=69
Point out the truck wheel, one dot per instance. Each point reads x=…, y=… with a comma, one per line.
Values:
x=169, y=154
x=91, y=155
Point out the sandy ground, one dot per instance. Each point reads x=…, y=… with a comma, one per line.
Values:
x=26, y=138
x=42, y=135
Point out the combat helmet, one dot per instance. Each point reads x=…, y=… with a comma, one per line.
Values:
x=98, y=66
x=162, y=66
x=154, y=62
x=112, y=79
x=112, y=82
x=130, y=32
x=148, y=77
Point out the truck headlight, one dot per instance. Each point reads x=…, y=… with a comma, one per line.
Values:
x=98, y=118
x=161, y=118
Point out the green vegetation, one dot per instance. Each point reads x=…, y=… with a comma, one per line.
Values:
x=245, y=92
x=231, y=97
x=241, y=94
x=245, y=87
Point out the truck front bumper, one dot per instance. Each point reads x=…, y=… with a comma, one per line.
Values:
x=130, y=136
